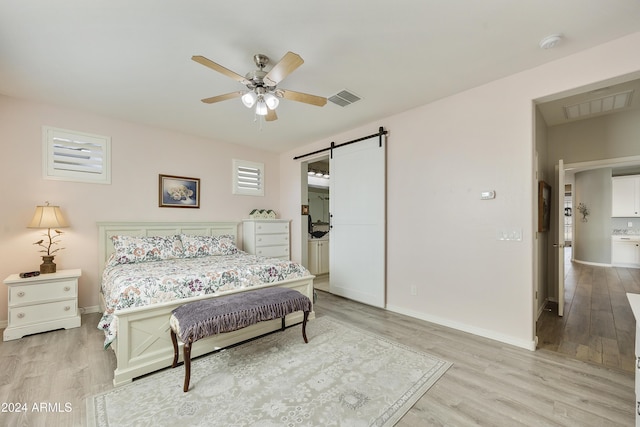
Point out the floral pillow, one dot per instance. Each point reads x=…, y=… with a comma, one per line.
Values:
x=199, y=246
x=133, y=249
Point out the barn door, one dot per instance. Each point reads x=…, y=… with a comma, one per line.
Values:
x=358, y=221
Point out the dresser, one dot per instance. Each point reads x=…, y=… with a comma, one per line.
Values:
x=266, y=237
x=634, y=301
x=42, y=303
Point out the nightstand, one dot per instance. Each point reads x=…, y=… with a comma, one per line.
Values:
x=42, y=303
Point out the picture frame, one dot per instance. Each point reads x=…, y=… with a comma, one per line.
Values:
x=544, y=206
x=178, y=192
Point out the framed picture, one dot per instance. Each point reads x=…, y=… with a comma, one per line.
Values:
x=178, y=192
x=544, y=206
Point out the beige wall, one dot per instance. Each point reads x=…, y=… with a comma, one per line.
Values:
x=441, y=237
x=139, y=154
x=605, y=137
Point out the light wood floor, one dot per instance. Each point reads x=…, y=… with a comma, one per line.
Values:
x=598, y=325
x=489, y=384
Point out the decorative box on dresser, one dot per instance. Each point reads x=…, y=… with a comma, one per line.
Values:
x=634, y=301
x=266, y=237
x=42, y=303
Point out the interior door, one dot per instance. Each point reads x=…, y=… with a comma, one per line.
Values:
x=357, y=241
x=559, y=238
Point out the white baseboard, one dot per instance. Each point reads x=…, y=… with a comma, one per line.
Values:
x=92, y=309
x=596, y=264
x=507, y=339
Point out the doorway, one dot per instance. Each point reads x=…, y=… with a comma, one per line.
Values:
x=580, y=143
x=318, y=231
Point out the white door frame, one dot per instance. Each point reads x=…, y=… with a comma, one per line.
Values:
x=559, y=237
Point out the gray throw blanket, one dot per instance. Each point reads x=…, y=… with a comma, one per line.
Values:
x=228, y=313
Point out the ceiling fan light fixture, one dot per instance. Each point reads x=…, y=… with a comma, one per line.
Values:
x=271, y=100
x=249, y=99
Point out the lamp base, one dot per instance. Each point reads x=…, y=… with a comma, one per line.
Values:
x=47, y=266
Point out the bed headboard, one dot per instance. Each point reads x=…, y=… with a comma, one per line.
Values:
x=108, y=229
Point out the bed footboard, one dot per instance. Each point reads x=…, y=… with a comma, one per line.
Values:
x=143, y=344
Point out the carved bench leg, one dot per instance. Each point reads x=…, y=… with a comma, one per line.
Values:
x=304, y=326
x=174, y=340
x=187, y=364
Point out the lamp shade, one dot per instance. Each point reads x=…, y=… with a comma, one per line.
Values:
x=47, y=217
x=261, y=108
x=271, y=101
x=249, y=99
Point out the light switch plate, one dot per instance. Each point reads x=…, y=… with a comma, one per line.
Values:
x=487, y=195
x=512, y=234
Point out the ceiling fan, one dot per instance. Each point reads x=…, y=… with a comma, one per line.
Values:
x=263, y=86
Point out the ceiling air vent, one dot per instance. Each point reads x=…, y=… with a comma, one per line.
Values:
x=604, y=104
x=344, y=98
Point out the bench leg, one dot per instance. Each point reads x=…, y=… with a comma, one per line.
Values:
x=174, y=340
x=304, y=326
x=187, y=365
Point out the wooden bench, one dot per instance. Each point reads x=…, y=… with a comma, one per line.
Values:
x=195, y=320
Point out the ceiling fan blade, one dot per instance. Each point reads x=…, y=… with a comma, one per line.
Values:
x=224, y=97
x=289, y=62
x=271, y=115
x=303, y=97
x=219, y=68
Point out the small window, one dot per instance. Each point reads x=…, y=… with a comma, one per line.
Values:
x=75, y=156
x=248, y=178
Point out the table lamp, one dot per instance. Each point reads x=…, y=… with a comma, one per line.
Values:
x=48, y=217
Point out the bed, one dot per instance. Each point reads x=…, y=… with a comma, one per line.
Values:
x=138, y=331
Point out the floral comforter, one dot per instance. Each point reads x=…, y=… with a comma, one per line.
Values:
x=146, y=283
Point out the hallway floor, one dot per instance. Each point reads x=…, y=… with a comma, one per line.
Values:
x=598, y=325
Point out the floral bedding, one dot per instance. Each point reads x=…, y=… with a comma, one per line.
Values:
x=137, y=284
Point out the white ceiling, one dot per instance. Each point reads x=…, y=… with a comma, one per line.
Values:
x=131, y=59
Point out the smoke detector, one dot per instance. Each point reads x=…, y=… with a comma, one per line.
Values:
x=550, y=41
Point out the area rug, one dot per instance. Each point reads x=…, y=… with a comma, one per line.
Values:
x=344, y=376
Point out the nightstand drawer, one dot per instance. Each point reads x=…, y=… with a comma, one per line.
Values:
x=42, y=312
x=272, y=239
x=272, y=227
x=273, y=251
x=28, y=294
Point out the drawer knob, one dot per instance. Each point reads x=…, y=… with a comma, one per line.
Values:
x=260, y=239
x=67, y=288
x=21, y=294
x=20, y=315
x=67, y=308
